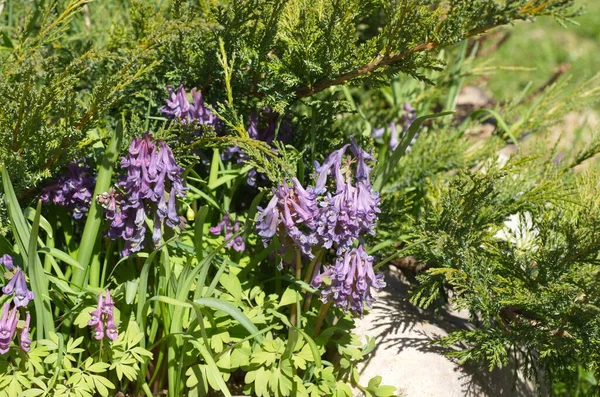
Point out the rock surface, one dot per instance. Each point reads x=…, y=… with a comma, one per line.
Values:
x=405, y=358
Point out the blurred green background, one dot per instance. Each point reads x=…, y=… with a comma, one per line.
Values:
x=541, y=47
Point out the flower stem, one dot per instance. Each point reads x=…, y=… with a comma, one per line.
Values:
x=322, y=313
x=294, y=313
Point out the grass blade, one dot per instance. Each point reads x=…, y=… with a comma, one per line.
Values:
x=212, y=371
x=39, y=282
x=61, y=256
x=17, y=220
x=234, y=312
x=387, y=168
x=94, y=218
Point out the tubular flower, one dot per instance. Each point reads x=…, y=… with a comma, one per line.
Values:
x=17, y=285
x=178, y=107
x=25, y=341
x=102, y=318
x=290, y=214
x=149, y=187
x=352, y=210
x=8, y=326
x=326, y=215
x=228, y=229
x=350, y=279
x=409, y=115
x=7, y=261
x=72, y=191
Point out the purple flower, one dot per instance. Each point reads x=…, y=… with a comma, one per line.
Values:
x=7, y=261
x=73, y=190
x=351, y=211
x=96, y=315
x=108, y=311
x=149, y=187
x=267, y=130
x=226, y=227
x=8, y=326
x=18, y=286
x=349, y=281
x=25, y=342
x=409, y=115
x=178, y=107
x=326, y=215
x=290, y=214
x=102, y=318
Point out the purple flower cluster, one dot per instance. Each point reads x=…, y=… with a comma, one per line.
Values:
x=72, y=191
x=10, y=317
x=225, y=226
x=330, y=215
x=266, y=130
x=103, y=318
x=178, y=107
x=409, y=115
x=351, y=210
x=290, y=214
x=263, y=127
x=149, y=187
x=350, y=280
x=17, y=285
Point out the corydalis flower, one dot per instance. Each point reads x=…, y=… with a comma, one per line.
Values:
x=17, y=284
x=350, y=280
x=25, y=341
x=290, y=214
x=8, y=326
x=409, y=115
x=226, y=227
x=72, y=190
x=351, y=210
x=102, y=318
x=7, y=261
x=268, y=131
x=328, y=215
x=178, y=107
x=149, y=187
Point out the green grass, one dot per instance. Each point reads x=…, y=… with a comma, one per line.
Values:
x=543, y=46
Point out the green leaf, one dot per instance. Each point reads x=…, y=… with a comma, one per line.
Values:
x=233, y=312
x=83, y=317
x=17, y=220
x=385, y=169
x=232, y=285
x=212, y=371
x=385, y=391
x=94, y=218
x=44, y=224
x=143, y=290
x=39, y=282
x=61, y=256
x=313, y=347
x=289, y=296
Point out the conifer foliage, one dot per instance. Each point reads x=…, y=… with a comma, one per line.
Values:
x=223, y=241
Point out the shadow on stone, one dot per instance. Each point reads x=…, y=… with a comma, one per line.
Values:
x=407, y=357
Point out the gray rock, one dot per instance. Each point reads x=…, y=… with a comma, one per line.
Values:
x=406, y=358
